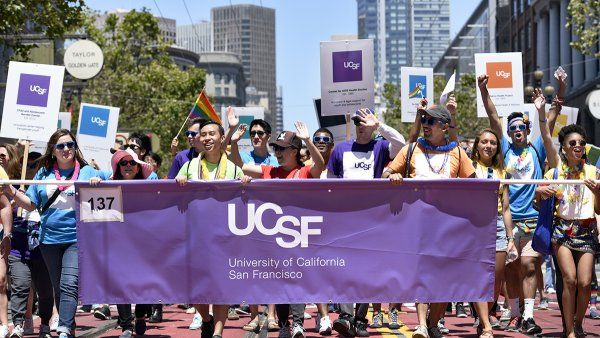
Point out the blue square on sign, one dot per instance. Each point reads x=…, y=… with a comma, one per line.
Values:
x=94, y=121
x=246, y=119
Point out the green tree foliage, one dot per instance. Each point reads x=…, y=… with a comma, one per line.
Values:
x=468, y=123
x=584, y=19
x=139, y=77
x=52, y=19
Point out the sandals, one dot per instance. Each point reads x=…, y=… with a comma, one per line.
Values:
x=252, y=326
x=272, y=325
x=486, y=334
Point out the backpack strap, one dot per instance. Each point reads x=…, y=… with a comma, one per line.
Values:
x=411, y=149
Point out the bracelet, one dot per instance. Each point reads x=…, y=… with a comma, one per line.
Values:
x=452, y=127
x=544, y=120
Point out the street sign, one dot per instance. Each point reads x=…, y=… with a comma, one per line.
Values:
x=593, y=102
x=83, y=59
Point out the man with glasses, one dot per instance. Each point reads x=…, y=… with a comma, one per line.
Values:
x=193, y=137
x=523, y=160
x=363, y=158
x=260, y=132
x=432, y=156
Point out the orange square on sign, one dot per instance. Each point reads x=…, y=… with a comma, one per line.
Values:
x=500, y=74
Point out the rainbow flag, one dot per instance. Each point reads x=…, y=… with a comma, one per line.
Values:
x=203, y=108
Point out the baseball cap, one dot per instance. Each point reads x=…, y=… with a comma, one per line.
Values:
x=287, y=139
x=438, y=112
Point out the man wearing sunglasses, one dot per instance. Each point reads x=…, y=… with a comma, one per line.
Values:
x=193, y=136
x=523, y=160
x=363, y=158
x=260, y=132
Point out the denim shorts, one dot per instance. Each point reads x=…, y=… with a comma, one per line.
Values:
x=501, y=240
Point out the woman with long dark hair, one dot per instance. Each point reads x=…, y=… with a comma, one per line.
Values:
x=61, y=161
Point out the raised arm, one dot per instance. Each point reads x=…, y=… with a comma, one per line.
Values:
x=233, y=121
x=558, y=101
x=415, y=129
x=490, y=108
x=318, y=161
x=396, y=139
x=451, y=105
x=234, y=156
x=540, y=104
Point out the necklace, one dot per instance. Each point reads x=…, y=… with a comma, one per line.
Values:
x=59, y=177
x=437, y=172
x=219, y=171
x=442, y=149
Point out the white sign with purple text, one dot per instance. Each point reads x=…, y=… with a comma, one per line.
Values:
x=347, y=82
x=415, y=84
x=31, y=101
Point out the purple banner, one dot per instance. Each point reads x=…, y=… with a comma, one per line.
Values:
x=293, y=241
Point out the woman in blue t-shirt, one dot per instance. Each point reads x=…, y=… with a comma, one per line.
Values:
x=62, y=161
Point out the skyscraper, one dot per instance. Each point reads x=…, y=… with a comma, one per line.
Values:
x=405, y=33
x=249, y=31
x=196, y=37
x=279, y=113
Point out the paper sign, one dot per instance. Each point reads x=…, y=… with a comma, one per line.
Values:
x=415, y=84
x=347, y=82
x=101, y=204
x=96, y=133
x=335, y=124
x=505, y=85
x=64, y=121
x=31, y=101
x=246, y=115
x=448, y=89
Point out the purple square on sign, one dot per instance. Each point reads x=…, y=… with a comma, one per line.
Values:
x=347, y=66
x=33, y=90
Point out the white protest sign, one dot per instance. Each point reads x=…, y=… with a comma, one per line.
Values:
x=64, y=122
x=96, y=133
x=415, y=84
x=347, y=82
x=505, y=85
x=448, y=89
x=246, y=115
x=101, y=204
x=31, y=101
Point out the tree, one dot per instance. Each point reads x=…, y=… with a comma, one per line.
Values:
x=52, y=19
x=468, y=123
x=139, y=77
x=584, y=19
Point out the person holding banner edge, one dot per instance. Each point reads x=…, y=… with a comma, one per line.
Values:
x=523, y=160
x=5, y=247
x=62, y=160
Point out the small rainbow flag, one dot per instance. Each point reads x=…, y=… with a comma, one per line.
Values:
x=203, y=108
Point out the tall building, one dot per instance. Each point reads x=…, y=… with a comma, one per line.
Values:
x=405, y=33
x=225, y=81
x=196, y=38
x=166, y=26
x=279, y=112
x=249, y=31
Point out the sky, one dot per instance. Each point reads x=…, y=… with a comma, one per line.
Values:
x=299, y=27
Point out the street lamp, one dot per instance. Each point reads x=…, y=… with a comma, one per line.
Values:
x=538, y=75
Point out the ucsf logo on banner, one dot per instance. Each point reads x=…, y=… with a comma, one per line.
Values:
x=31, y=101
x=96, y=132
x=505, y=84
x=346, y=76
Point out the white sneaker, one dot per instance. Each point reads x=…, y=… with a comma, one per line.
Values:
x=54, y=323
x=420, y=332
x=28, y=326
x=196, y=322
x=17, y=332
x=191, y=310
x=550, y=290
x=307, y=315
x=297, y=331
x=325, y=326
x=3, y=331
x=126, y=334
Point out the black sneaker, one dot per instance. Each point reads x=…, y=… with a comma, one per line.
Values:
x=140, y=326
x=361, y=328
x=460, y=310
x=530, y=327
x=285, y=332
x=343, y=326
x=102, y=313
x=157, y=314
x=208, y=328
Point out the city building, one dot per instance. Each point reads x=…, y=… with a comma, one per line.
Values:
x=249, y=31
x=196, y=38
x=225, y=80
x=279, y=112
x=405, y=33
x=166, y=26
x=476, y=36
x=183, y=58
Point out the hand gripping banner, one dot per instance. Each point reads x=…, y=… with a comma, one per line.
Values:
x=287, y=241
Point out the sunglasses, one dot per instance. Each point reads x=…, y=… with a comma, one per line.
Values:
x=431, y=120
x=279, y=148
x=125, y=162
x=191, y=134
x=490, y=173
x=521, y=127
x=259, y=133
x=3, y=155
x=573, y=143
x=322, y=139
x=132, y=146
x=61, y=146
